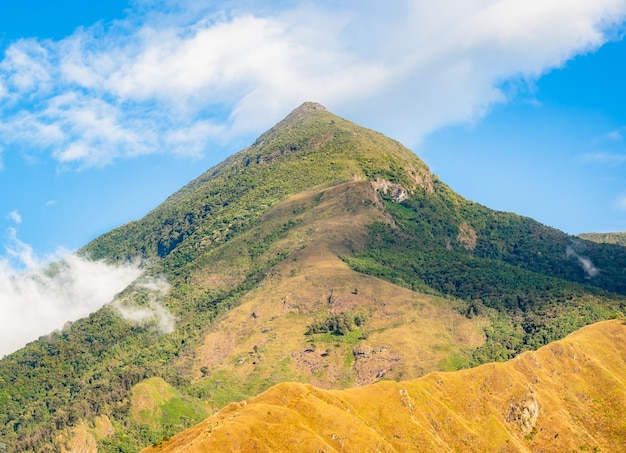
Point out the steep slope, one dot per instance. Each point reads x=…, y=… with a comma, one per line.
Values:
x=567, y=396
x=324, y=253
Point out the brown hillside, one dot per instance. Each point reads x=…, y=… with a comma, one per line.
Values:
x=567, y=396
x=264, y=341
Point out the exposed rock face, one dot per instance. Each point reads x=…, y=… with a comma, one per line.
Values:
x=422, y=179
x=524, y=412
x=467, y=236
x=396, y=191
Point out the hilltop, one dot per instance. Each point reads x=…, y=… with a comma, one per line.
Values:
x=324, y=253
x=605, y=238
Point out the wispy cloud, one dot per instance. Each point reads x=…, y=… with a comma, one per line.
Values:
x=36, y=299
x=180, y=76
x=604, y=158
x=15, y=216
x=616, y=135
x=144, y=305
x=585, y=263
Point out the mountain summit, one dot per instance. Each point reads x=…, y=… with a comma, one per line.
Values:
x=311, y=148
x=324, y=253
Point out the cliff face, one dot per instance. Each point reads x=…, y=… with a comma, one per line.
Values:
x=568, y=396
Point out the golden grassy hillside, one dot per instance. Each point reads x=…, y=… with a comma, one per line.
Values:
x=568, y=396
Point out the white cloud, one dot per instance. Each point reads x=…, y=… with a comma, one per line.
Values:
x=135, y=309
x=15, y=216
x=179, y=76
x=585, y=263
x=27, y=67
x=36, y=299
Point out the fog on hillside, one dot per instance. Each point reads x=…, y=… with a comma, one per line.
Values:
x=37, y=298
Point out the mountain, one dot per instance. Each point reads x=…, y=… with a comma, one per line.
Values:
x=605, y=238
x=324, y=253
x=567, y=396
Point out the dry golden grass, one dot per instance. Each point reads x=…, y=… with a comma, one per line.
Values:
x=567, y=396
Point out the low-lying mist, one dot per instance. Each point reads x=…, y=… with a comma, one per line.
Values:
x=143, y=305
x=39, y=295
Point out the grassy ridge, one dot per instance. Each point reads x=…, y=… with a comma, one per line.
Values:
x=567, y=396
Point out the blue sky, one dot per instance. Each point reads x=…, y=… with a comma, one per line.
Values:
x=556, y=154
x=106, y=108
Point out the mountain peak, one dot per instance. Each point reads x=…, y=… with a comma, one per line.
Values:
x=310, y=106
x=305, y=110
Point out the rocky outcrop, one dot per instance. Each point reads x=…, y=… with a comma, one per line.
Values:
x=394, y=190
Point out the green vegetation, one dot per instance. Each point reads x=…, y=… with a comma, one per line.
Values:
x=510, y=268
x=339, y=324
x=309, y=149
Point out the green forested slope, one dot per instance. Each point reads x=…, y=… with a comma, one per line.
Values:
x=527, y=277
